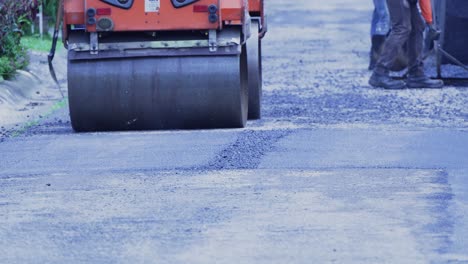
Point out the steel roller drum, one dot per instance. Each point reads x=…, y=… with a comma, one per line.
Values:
x=140, y=93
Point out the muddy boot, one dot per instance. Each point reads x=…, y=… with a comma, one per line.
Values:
x=385, y=81
x=423, y=82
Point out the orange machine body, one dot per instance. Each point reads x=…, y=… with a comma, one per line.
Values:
x=256, y=7
x=163, y=16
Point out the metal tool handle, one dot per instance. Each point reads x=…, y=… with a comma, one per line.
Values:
x=51, y=55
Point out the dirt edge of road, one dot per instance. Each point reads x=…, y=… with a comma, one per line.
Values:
x=32, y=95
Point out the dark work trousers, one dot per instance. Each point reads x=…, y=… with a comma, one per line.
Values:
x=407, y=27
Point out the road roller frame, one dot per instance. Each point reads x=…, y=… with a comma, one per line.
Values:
x=163, y=64
x=452, y=20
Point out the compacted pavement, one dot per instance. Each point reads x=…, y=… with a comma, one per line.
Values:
x=335, y=172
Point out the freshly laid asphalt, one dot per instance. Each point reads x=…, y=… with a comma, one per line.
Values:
x=335, y=172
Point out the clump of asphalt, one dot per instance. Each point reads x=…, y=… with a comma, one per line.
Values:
x=246, y=152
x=55, y=125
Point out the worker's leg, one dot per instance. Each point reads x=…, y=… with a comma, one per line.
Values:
x=379, y=29
x=381, y=19
x=400, y=16
x=415, y=43
x=416, y=76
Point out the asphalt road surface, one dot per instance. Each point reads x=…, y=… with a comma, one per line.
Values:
x=335, y=172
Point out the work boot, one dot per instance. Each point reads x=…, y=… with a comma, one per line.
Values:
x=423, y=82
x=385, y=81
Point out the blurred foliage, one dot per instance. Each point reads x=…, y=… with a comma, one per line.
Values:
x=35, y=42
x=14, y=16
x=49, y=9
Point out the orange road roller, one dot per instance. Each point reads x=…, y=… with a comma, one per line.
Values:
x=163, y=64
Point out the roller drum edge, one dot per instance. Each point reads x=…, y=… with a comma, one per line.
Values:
x=158, y=93
x=253, y=47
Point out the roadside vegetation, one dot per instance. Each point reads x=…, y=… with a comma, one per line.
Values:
x=35, y=42
x=16, y=18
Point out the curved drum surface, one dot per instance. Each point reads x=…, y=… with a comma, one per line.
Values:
x=186, y=92
x=253, y=47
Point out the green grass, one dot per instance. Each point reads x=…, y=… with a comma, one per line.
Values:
x=38, y=44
